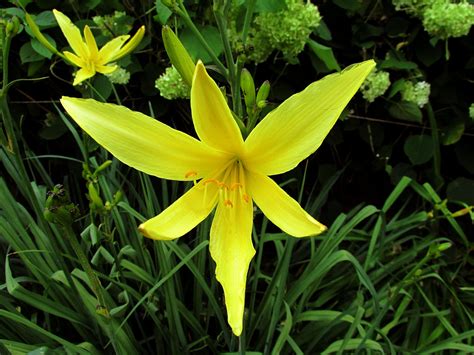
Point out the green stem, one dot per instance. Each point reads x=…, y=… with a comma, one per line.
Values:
x=247, y=20
x=222, y=25
x=181, y=11
x=436, y=147
x=6, y=52
x=114, y=90
x=236, y=93
x=93, y=279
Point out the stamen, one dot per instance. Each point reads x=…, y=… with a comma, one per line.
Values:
x=214, y=181
x=235, y=185
x=246, y=197
x=189, y=174
x=228, y=203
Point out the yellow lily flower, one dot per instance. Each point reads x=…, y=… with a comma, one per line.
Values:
x=87, y=55
x=232, y=173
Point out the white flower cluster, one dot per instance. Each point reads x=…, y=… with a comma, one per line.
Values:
x=119, y=76
x=441, y=18
x=418, y=93
x=171, y=85
x=375, y=85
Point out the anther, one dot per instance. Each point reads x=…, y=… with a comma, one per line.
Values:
x=235, y=185
x=190, y=174
x=228, y=203
x=246, y=198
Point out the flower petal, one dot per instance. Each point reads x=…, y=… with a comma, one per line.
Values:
x=212, y=118
x=74, y=59
x=184, y=214
x=143, y=142
x=111, y=48
x=83, y=74
x=295, y=129
x=280, y=208
x=90, y=42
x=106, y=69
x=130, y=45
x=72, y=34
x=232, y=250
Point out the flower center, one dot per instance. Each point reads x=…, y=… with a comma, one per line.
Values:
x=231, y=184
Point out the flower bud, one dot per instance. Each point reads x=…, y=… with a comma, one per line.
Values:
x=13, y=26
x=248, y=87
x=96, y=202
x=178, y=55
x=39, y=36
x=58, y=208
x=263, y=92
x=103, y=166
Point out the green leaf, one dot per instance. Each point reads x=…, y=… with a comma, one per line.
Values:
x=427, y=53
x=28, y=54
x=325, y=54
x=452, y=133
x=464, y=153
x=45, y=19
x=348, y=4
x=194, y=47
x=419, y=148
x=396, y=87
x=461, y=189
x=42, y=50
x=395, y=63
x=269, y=5
x=407, y=111
x=163, y=12
x=103, y=86
x=323, y=31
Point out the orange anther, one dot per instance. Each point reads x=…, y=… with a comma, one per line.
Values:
x=235, y=185
x=228, y=203
x=246, y=198
x=190, y=174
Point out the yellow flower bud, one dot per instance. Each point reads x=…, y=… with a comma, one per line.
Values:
x=178, y=55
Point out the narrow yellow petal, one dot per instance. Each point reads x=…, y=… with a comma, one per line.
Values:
x=111, y=48
x=72, y=34
x=280, y=208
x=91, y=43
x=295, y=129
x=74, y=59
x=143, y=142
x=232, y=250
x=83, y=74
x=130, y=45
x=212, y=117
x=106, y=69
x=184, y=214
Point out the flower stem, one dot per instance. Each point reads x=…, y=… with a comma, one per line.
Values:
x=91, y=275
x=181, y=11
x=248, y=18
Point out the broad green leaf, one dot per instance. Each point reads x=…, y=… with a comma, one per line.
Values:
x=452, y=133
x=419, y=148
x=325, y=54
x=163, y=12
x=195, y=48
x=28, y=54
x=42, y=50
x=407, y=111
x=269, y=5
x=461, y=189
